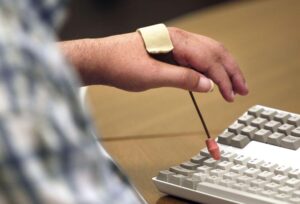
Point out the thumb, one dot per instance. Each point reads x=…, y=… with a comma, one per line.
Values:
x=182, y=77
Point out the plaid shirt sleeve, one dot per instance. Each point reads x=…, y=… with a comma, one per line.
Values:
x=48, y=153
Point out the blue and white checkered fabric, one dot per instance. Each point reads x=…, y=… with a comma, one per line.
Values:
x=47, y=151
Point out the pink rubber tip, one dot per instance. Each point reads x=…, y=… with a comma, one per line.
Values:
x=213, y=149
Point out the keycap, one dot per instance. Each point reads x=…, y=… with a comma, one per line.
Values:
x=240, y=141
x=225, y=138
x=238, y=168
x=290, y=142
x=189, y=165
x=295, y=200
x=200, y=176
x=254, y=163
x=231, y=175
x=282, y=196
x=268, y=193
x=236, y=128
x=265, y=175
x=296, y=132
x=293, y=182
x=262, y=135
x=296, y=193
x=241, y=159
x=204, y=169
x=164, y=175
x=240, y=186
x=180, y=170
x=204, y=152
x=177, y=179
x=198, y=159
x=286, y=129
x=294, y=173
x=226, y=182
x=286, y=189
x=272, y=186
x=252, y=172
x=280, y=179
x=210, y=162
x=268, y=166
x=275, y=138
x=249, y=131
x=255, y=111
x=190, y=183
x=272, y=125
x=228, y=156
x=259, y=122
x=284, y=170
x=294, y=120
x=225, y=165
x=217, y=172
x=268, y=114
x=245, y=119
x=258, y=182
x=244, y=179
x=282, y=117
x=254, y=189
x=213, y=179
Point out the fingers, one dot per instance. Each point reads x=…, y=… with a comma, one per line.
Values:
x=180, y=77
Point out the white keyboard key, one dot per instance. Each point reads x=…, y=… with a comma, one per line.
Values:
x=227, y=182
x=252, y=172
x=239, y=169
x=268, y=166
x=268, y=114
x=295, y=200
x=165, y=175
x=268, y=193
x=296, y=193
x=245, y=119
x=244, y=179
x=228, y=156
x=241, y=159
x=217, y=172
x=286, y=189
x=200, y=176
x=296, y=132
x=259, y=122
x=225, y=138
x=295, y=173
x=275, y=138
x=282, y=196
x=231, y=175
x=236, y=128
x=280, y=179
x=177, y=179
x=240, y=186
x=254, y=163
x=181, y=170
x=272, y=186
x=225, y=165
x=293, y=182
x=266, y=175
x=204, y=169
x=213, y=179
x=254, y=189
x=284, y=170
x=204, y=152
x=272, y=125
x=255, y=111
x=249, y=131
x=198, y=159
x=189, y=165
x=190, y=183
x=290, y=142
x=262, y=135
x=258, y=182
x=286, y=129
x=211, y=162
x=240, y=141
x=282, y=117
x=294, y=120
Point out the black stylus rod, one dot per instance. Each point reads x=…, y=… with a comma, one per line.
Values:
x=199, y=114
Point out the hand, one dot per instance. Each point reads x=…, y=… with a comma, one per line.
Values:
x=123, y=62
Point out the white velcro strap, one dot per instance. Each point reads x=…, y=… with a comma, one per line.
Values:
x=156, y=38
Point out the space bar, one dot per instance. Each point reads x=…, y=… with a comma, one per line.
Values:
x=234, y=195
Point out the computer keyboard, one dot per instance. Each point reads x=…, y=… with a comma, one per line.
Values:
x=260, y=163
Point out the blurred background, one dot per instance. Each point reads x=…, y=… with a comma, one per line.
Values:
x=96, y=18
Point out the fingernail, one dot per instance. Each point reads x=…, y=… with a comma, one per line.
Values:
x=212, y=86
x=205, y=85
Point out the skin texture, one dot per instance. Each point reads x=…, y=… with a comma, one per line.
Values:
x=122, y=61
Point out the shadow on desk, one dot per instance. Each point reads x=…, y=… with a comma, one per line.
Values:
x=174, y=200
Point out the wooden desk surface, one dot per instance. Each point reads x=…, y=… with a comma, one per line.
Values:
x=150, y=131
